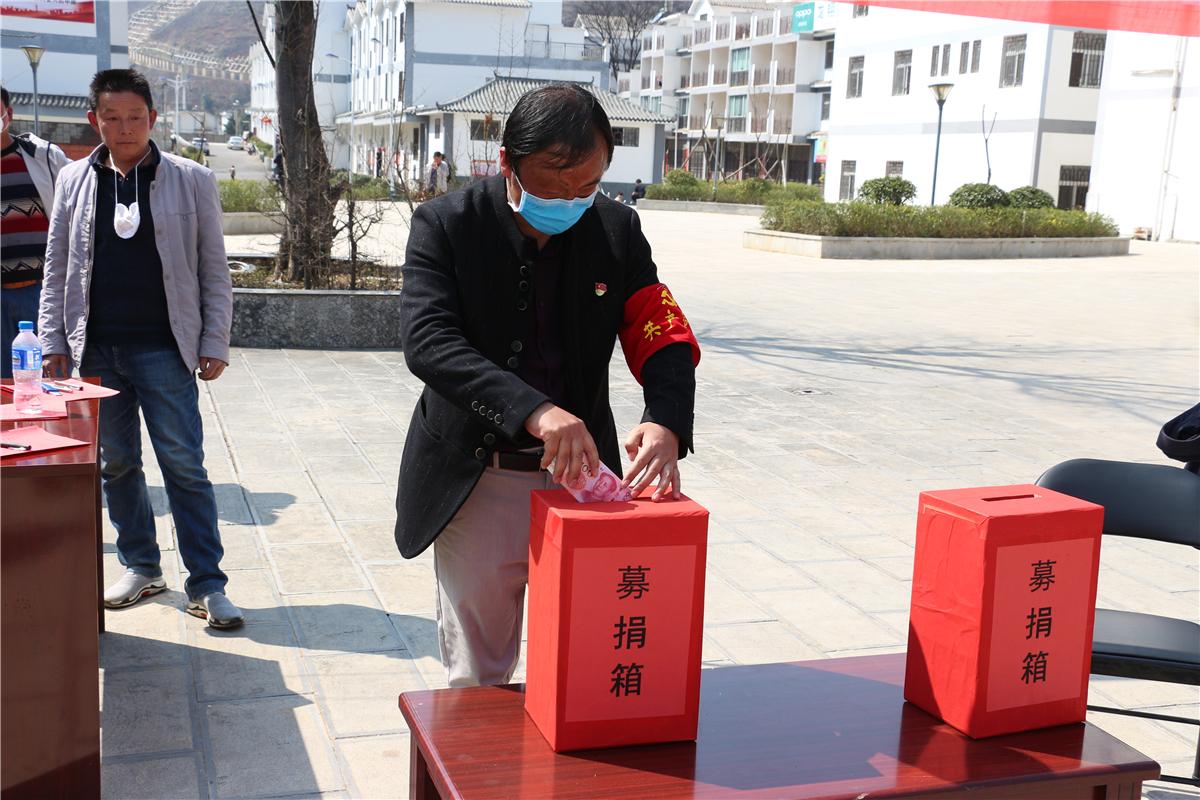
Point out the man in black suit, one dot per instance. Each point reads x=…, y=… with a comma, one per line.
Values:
x=515, y=291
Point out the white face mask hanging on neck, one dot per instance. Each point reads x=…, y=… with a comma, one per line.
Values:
x=127, y=218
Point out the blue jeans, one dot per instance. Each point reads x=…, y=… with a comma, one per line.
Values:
x=153, y=378
x=16, y=305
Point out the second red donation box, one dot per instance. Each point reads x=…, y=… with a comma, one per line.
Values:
x=1003, y=602
x=616, y=614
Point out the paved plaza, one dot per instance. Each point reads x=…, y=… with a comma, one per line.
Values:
x=830, y=393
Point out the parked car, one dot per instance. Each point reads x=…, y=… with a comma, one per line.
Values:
x=201, y=144
x=236, y=143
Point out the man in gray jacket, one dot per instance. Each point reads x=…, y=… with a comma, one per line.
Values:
x=137, y=292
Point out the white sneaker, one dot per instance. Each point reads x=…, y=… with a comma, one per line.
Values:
x=131, y=588
x=218, y=609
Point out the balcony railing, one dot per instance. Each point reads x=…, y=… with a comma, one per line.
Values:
x=739, y=77
x=681, y=123
x=699, y=79
x=742, y=31
x=722, y=32
x=660, y=42
x=684, y=81
x=646, y=42
x=646, y=82
x=762, y=75
x=735, y=125
x=702, y=35
x=719, y=77
x=785, y=76
x=782, y=126
x=623, y=85
x=695, y=123
x=657, y=82
x=765, y=26
x=686, y=44
x=758, y=125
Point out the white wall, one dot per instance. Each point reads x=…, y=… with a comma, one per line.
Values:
x=1131, y=136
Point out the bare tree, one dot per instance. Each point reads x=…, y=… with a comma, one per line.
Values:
x=619, y=24
x=309, y=199
x=987, y=134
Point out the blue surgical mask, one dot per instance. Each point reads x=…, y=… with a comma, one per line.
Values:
x=551, y=216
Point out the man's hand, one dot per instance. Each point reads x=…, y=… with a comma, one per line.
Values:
x=56, y=366
x=567, y=442
x=211, y=368
x=654, y=451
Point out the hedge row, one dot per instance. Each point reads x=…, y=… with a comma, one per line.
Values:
x=248, y=196
x=682, y=185
x=939, y=222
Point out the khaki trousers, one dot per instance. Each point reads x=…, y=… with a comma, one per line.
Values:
x=481, y=561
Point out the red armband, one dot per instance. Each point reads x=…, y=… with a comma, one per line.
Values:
x=652, y=321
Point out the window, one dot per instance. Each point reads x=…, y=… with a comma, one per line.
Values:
x=1073, y=186
x=933, y=62
x=964, y=57
x=846, y=190
x=854, y=79
x=1012, y=65
x=829, y=54
x=437, y=128
x=739, y=67
x=946, y=58
x=1087, y=60
x=483, y=130
x=737, y=107
x=861, y=9
x=902, y=72
x=400, y=27
x=625, y=137
x=975, y=55
x=825, y=98
x=895, y=169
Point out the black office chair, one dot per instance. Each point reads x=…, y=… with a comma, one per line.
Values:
x=1144, y=501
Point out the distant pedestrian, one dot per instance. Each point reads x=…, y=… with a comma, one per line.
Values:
x=639, y=191
x=233, y=172
x=439, y=175
x=30, y=166
x=143, y=303
x=620, y=198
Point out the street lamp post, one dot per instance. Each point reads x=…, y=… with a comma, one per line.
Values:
x=940, y=92
x=34, y=54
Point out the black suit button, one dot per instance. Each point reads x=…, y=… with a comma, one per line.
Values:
x=517, y=346
x=522, y=305
x=514, y=362
x=489, y=438
x=499, y=419
x=524, y=271
x=482, y=411
x=474, y=405
x=523, y=286
x=480, y=453
x=491, y=415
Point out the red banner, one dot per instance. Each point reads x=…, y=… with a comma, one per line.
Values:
x=1174, y=17
x=60, y=10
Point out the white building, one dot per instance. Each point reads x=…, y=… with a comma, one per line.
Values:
x=467, y=131
x=331, y=78
x=1145, y=165
x=746, y=84
x=1039, y=83
x=407, y=57
x=79, y=40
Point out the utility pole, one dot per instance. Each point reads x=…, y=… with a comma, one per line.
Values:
x=177, y=83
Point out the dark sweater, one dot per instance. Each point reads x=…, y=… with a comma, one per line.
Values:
x=127, y=302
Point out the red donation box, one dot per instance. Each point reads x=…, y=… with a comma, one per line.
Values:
x=1003, y=600
x=616, y=613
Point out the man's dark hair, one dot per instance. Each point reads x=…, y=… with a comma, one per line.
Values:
x=563, y=118
x=119, y=80
x=5, y=97
x=438, y=154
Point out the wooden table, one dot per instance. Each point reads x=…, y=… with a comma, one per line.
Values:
x=837, y=728
x=50, y=549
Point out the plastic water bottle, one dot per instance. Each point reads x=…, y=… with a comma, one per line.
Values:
x=27, y=370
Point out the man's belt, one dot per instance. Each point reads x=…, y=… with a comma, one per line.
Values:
x=521, y=462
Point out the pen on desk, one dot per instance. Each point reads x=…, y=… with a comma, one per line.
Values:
x=15, y=446
x=66, y=387
x=51, y=389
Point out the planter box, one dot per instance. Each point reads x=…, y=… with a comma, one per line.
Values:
x=698, y=205
x=241, y=223
x=322, y=319
x=882, y=247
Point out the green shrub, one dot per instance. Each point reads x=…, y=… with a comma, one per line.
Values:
x=891, y=191
x=799, y=192
x=1030, y=197
x=752, y=191
x=978, y=195
x=940, y=222
x=679, y=184
x=682, y=185
x=187, y=151
x=264, y=148
x=248, y=196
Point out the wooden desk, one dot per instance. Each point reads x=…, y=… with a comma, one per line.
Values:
x=51, y=608
x=816, y=729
